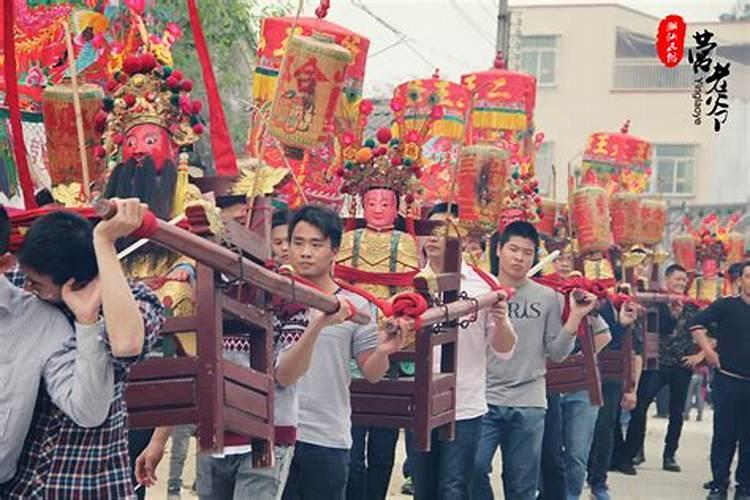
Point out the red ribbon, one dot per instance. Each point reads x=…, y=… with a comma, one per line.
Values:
x=599, y=288
x=492, y=282
x=221, y=142
x=354, y=275
x=14, y=106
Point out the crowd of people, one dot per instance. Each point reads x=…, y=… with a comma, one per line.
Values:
x=69, y=344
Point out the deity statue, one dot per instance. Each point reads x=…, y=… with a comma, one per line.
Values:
x=378, y=257
x=149, y=123
x=378, y=248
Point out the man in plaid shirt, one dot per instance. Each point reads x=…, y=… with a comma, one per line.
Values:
x=62, y=460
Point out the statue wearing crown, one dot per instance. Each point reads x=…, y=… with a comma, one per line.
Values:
x=148, y=123
x=382, y=172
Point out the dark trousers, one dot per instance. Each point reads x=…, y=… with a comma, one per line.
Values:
x=552, y=481
x=607, y=425
x=138, y=439
x=317, y=473
x=372, y=455
x=446, y=471
x=407, y=468
x=652, y=381
x=731, y=425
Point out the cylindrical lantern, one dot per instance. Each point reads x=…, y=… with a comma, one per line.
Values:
x=503, y=106
x=437, y=109
x=590, y=218
x=653, y=221
x=624, y=207
x=482, y=174
x=683, y=247
x=64, y=158
x=617, y=160
x=548, y=217
x=308, y=90
x=735, y=247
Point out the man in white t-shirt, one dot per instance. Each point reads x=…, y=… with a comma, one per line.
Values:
x=447, y=470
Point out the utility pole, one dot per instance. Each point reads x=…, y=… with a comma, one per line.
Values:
x=503, y=28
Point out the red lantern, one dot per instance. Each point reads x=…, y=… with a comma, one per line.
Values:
x=503, y=106
x=590, y=218
x=482, y=174
x=625, y=210
x=308, y=92
x=653, y=221
x=64, y=159
x=548, y=217
x=617, y=159
x=683, y=248
x=735, y=248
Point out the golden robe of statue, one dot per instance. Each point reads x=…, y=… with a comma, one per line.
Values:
x=379, y=252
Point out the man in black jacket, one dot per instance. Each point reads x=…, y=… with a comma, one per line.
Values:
x=676, y=359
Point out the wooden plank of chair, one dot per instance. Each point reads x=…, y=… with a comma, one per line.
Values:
x=210, y=430
x=160, y=417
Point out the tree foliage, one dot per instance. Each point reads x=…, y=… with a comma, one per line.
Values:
x=232, y=31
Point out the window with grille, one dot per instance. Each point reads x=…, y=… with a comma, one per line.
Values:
x=539, y=58
x=674, y=169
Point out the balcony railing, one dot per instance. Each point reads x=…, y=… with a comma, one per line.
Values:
x=650, y=74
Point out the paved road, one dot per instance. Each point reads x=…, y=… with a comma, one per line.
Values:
x=651, y=483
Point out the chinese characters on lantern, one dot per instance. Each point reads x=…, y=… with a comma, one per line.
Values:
x=715, y=78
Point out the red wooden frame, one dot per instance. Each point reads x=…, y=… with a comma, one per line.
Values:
x=426, y=401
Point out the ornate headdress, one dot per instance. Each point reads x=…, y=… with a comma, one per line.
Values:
x=147, y=91
x=522, y=201
x=391, y=160
x=384, y=162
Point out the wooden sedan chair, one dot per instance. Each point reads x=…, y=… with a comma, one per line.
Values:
x=426, y=401
x=205, y=390
x=579, y=371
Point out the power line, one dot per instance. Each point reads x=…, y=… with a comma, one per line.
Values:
x=471, y=22
x=403, y=38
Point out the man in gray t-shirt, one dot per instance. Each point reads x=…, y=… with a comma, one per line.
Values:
x=321, y=458
x=516, y=391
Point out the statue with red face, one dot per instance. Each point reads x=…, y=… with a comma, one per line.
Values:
x=147, y=171
x=378, y=249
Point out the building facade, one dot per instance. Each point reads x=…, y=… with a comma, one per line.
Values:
x=597, y=67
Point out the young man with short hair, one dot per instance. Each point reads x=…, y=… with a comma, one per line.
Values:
x=447, y=470
x=280, y=236
x=321, y=458
x=41, y=350
x=516, y=389
x=60, y=458
x=677, y=358
x=731, y=387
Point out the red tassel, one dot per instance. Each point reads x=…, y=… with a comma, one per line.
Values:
x=14, y=106
x=221, y=141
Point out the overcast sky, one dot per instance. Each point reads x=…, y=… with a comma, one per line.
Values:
x=410, y=38
x=690, y=10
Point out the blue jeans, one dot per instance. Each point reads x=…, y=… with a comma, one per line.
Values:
x=579, y=421
x=446, y=471
x=372, y=455
x=518, y=431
